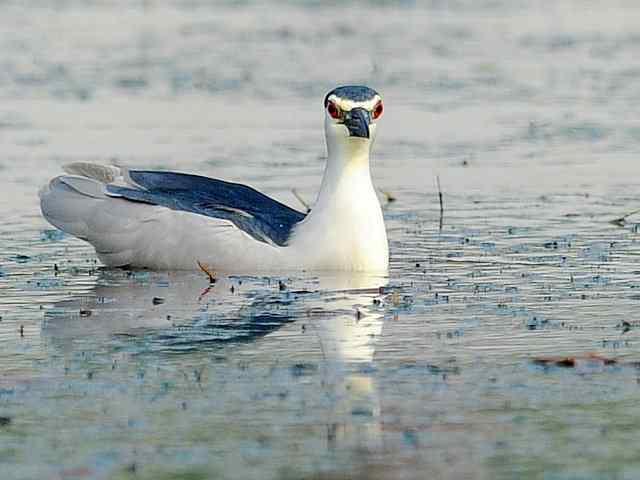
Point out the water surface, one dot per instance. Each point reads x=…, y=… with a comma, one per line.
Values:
x=527, y=112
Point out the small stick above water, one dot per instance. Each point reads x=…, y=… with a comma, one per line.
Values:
x=301, y=200
x=441, y=201
x=210, y=273
x=387, y=196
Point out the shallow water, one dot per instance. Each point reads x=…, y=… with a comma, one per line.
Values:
x=527, y=112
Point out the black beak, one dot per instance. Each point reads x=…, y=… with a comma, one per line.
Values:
x=357, y=121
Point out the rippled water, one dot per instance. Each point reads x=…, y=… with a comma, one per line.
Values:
x=527, y=112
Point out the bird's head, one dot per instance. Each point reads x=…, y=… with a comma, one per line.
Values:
x=351, y=114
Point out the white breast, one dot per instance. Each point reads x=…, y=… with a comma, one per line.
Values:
x=345, y=229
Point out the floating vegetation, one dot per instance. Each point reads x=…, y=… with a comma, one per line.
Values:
x=52, y=235
x=20, y=258
x=574, y=361
x=45, y=283
x=158, y=300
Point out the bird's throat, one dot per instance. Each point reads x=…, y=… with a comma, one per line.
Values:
x=347, y=173
x=349, y=150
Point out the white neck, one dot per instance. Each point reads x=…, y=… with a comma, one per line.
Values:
x=347, y=172
x=345, y=229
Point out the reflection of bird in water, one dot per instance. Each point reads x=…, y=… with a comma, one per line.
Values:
x=172, y=312
x=326, y=322
x=167, y=220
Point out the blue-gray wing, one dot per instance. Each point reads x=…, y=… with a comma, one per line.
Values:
x=262, y=217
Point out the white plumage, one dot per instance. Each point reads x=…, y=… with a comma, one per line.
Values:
x=344, y=231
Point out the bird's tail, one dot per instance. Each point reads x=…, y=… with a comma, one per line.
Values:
x=77, y=204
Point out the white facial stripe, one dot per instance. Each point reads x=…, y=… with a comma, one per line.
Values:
x=346, y=105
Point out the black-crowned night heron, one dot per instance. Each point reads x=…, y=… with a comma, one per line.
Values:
x=167, y=220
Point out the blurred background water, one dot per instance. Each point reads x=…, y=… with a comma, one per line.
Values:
x=527, y=112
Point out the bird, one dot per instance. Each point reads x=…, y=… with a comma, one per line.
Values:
x=164, y=220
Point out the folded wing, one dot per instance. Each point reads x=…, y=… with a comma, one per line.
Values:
x=260, y=216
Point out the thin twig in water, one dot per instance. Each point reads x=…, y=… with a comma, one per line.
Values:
x=301, y=200
x=622, y=221
x=211, y=274
x=441, y=202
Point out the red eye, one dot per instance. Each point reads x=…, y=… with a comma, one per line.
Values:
x=377, y=111
x=333, y=110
